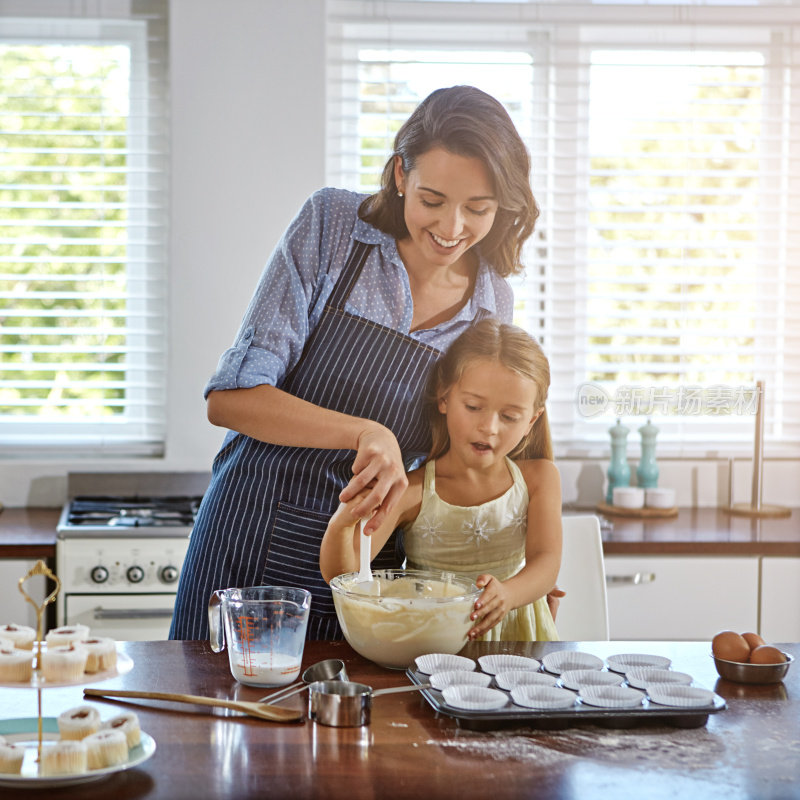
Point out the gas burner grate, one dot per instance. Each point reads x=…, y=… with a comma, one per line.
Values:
x=133, y=512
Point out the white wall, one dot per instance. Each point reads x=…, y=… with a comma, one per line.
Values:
x=248, y=123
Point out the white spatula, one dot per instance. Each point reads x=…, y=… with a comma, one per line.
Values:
x=366, y=583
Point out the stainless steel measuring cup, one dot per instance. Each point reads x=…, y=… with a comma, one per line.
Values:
x=347, y=704
x=331, y=669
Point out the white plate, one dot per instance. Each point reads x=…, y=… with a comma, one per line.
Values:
x=459, y=677
x=25, y=731
x=625, y=661
x=37, y=681
x=508, y=679
x=611, y=696
x=546, y=698
x=474, y=698
x=562, y=660
x=642, y=677
x=578, y=678
x=499, y=662
x=680, y=696
x=440, y=662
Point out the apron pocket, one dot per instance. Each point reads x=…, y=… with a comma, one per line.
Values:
x=293, y=555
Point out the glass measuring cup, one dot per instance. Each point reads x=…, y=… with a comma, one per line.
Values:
x=264, y=628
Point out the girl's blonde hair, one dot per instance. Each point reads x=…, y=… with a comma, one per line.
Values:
x=514, y=349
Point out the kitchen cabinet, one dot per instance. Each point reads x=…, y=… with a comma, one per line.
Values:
x=780, y=599
x=688, y=598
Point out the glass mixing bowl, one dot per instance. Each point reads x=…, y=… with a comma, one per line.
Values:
x=402, y=614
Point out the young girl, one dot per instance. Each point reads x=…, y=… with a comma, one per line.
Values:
x=487, y=503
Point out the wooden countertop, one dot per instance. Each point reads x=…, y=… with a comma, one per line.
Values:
x=28, y=532
x=409, y=752
x=31, y=533
x=701, y=531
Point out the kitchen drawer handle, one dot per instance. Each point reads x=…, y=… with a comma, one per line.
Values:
x=630, y=580
x=132, y=613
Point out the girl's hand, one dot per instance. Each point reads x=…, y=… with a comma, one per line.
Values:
x=492, y=605
x=554, y=600
x=378, y=467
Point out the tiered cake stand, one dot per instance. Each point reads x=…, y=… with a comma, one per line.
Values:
x=35, y=732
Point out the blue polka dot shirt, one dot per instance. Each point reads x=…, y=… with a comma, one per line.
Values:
x=299, y=278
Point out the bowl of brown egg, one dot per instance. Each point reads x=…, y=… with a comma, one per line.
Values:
x=747, y=658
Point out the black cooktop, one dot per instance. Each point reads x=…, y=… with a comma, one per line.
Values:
x=132, y=512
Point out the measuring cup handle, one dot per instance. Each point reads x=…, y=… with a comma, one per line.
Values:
x=216, y=632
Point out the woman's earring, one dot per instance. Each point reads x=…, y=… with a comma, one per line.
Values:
x=399, y=194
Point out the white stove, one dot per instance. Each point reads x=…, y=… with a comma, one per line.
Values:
x=119, y=556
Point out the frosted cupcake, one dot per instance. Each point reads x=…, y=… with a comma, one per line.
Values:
x=106, y=749
x=128, y=723
x=63, y=758
x=78, y=722
x=15, y=665
x=11, y=758
x=21, y=635
x=102, y=654
x=64, y=663
x=66, y=634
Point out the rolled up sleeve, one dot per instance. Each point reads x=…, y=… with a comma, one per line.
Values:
x=285, y=306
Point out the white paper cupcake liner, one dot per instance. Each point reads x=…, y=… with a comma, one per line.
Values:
x=563, y=660
x=625, y=661
x=578, y=678
x=499, y=662
x=509, y=679
x=546, y=698
x=680, y=696
x=474, y=698
x=440, y=662
x=459, y=677
x=611, y=696
x=642, y=677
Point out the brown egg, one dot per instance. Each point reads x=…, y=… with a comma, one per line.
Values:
x=753, y=640
x=730, y=646
x=767, y=654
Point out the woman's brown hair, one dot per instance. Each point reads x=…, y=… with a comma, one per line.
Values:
x=516, y=350
x=470, y=123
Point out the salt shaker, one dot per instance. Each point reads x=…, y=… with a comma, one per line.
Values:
x=619, y=471
x=647, y=471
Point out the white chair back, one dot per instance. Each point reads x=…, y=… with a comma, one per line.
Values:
x=583, y=612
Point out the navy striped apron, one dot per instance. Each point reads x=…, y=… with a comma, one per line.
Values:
x=263, y=516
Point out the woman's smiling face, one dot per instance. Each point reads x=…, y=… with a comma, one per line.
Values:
x=449, y=206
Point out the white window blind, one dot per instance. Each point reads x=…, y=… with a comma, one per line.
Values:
x=83, y=234
x=663, y=279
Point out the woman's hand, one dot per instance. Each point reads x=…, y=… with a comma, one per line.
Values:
x=492, y=605
x=379, y=467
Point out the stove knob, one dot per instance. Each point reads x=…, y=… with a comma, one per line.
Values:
x=99, y=574
x=169, y=574
x=135, y=574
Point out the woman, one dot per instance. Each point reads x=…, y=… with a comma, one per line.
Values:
x=322, y=389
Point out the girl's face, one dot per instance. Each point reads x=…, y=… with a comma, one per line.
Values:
x=489, y=411
x=449, y=206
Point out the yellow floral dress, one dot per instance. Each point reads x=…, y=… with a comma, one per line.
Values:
x=470, y=540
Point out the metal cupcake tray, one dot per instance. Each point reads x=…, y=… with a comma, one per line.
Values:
x=512, y=715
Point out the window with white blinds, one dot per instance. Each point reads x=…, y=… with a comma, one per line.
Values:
x=83, y=236
x=664, y=275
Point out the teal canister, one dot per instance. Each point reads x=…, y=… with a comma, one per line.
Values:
x=619, y=471
x=647, y=470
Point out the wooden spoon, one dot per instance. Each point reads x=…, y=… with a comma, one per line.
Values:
x=259, y=710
